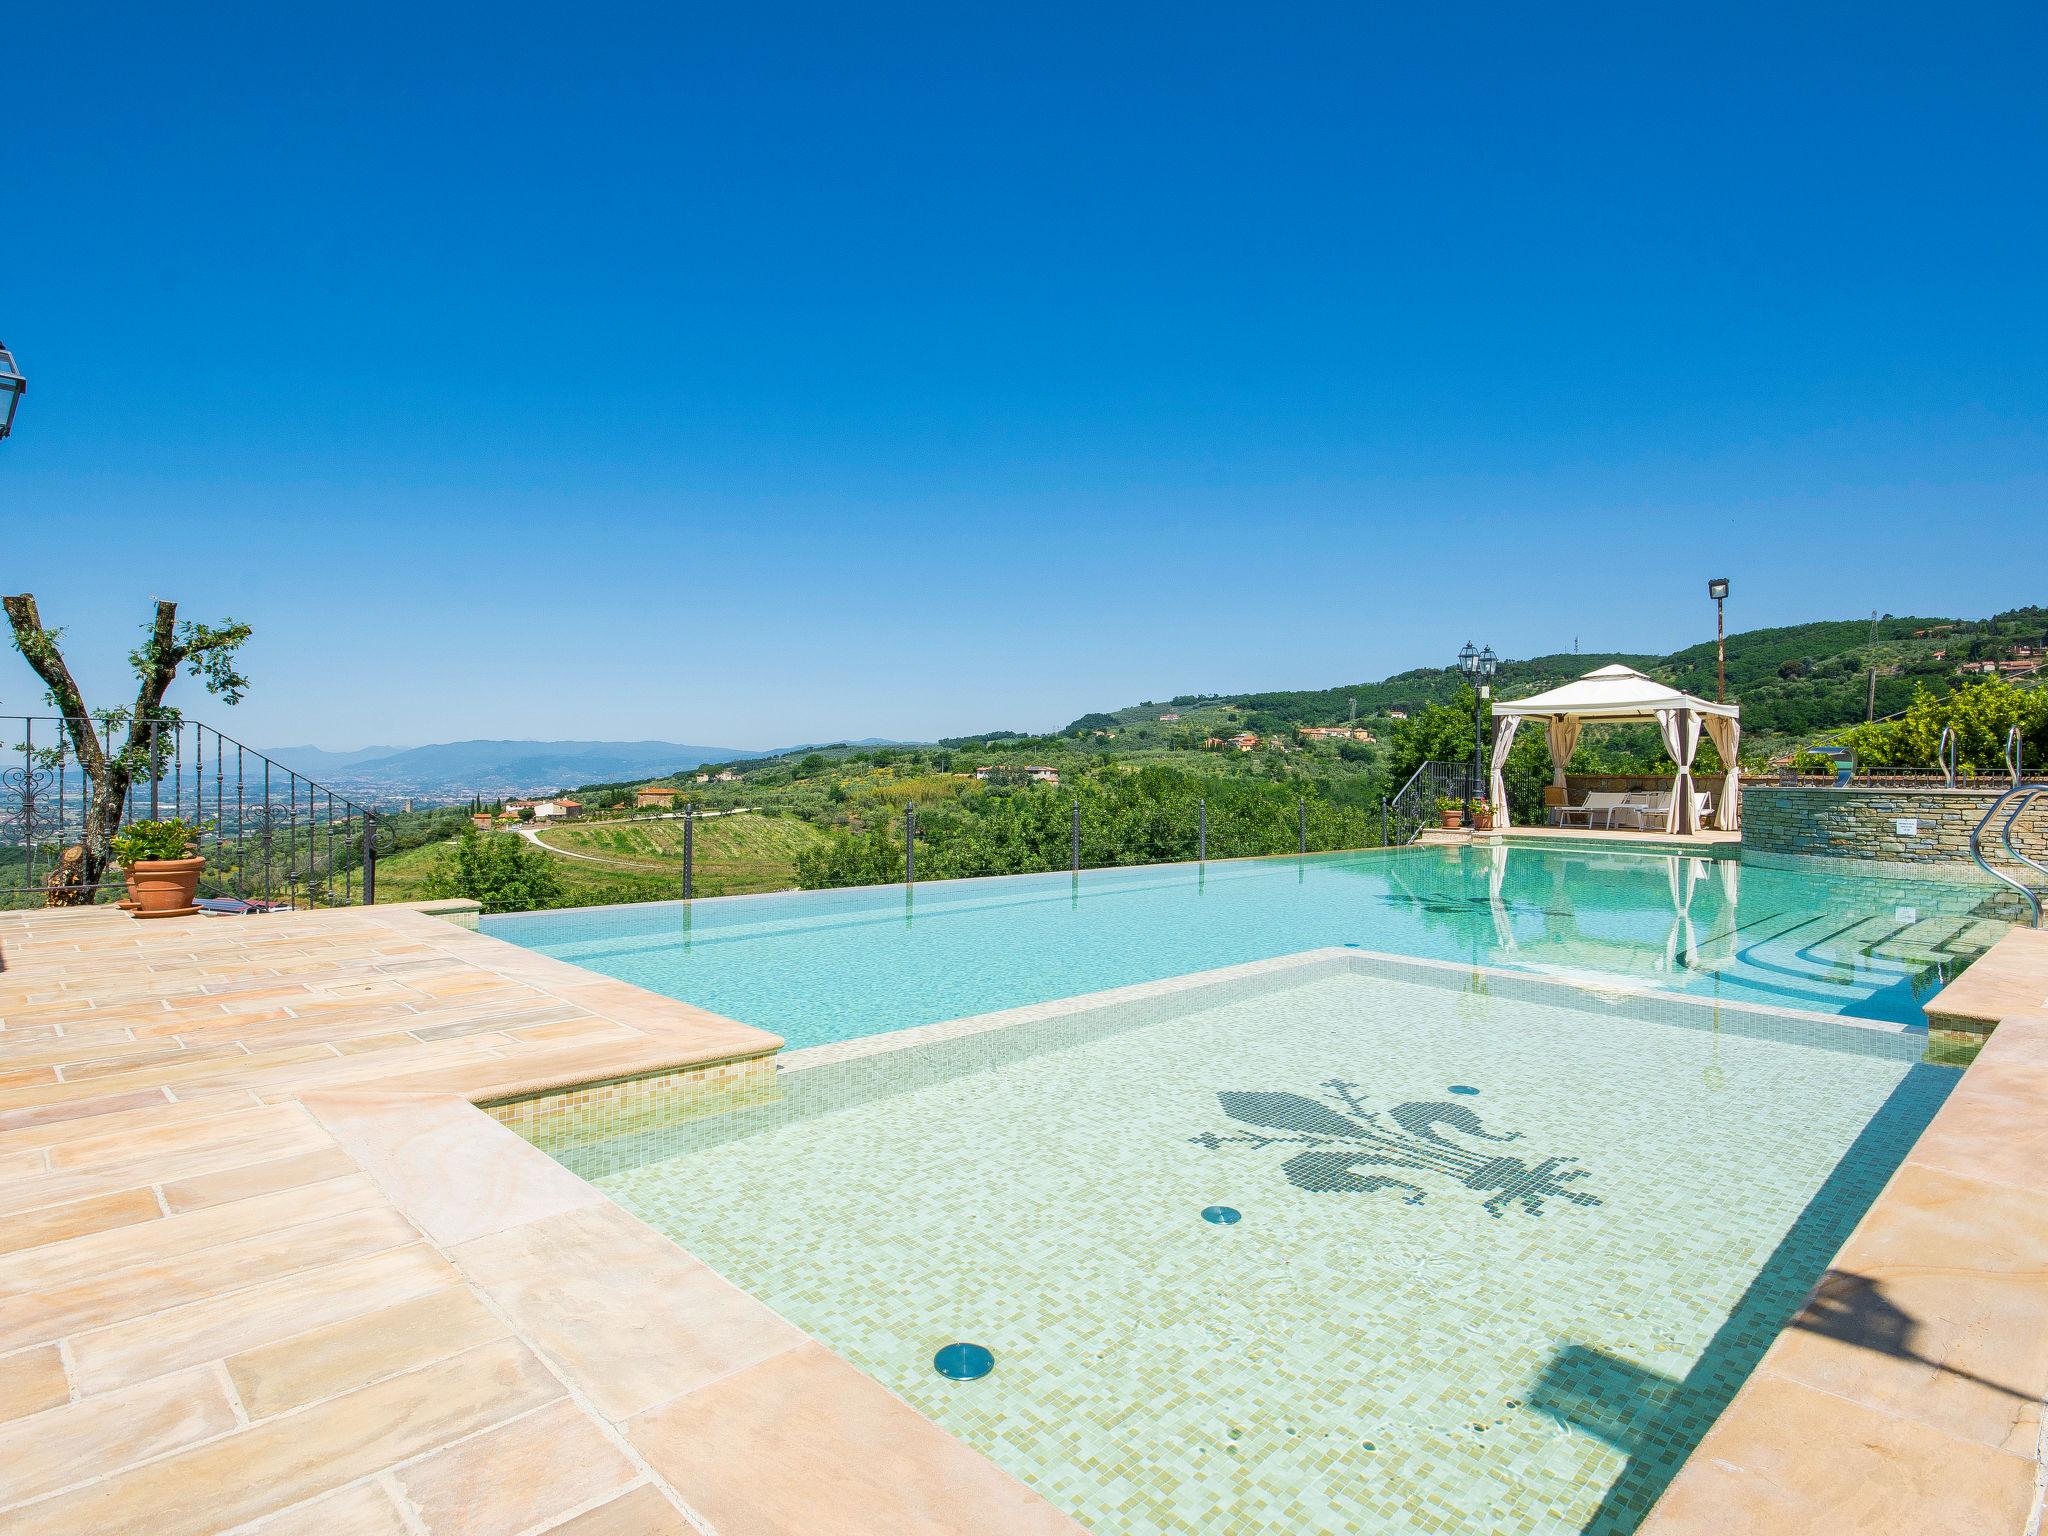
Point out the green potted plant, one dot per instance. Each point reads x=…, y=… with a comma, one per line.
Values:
x=163, y=862
x=1450, y=812
x=1482, y=816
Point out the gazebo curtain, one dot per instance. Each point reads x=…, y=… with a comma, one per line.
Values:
x=1563, y=734
x=1681, y=731
x=1504, y=728
x=1726, y=734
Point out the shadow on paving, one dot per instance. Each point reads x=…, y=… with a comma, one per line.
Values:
x=1657, y=1421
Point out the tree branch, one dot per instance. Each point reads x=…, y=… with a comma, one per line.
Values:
x=38, y=647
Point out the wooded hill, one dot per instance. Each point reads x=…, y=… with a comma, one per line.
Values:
x=1795, y=681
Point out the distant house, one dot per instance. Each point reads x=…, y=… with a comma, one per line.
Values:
x=482, y=820
x=1170, y=719
x=1397, y=714
x=1000, y=771
x=1978, y=666
x=1244, y=741
x=2019, y=668
x=661, y=795
x=1336, y=733
x=725, y=776
x=556, y=810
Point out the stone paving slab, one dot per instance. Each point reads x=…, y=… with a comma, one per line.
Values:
x=265, y=1268
x=2015, y=982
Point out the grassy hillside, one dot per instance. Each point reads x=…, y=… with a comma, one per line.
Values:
x=635, y=861
x=732, y=854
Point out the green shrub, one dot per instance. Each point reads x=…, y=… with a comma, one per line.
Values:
x=1980, y=715
x=502, y=872
x=150, y=840
x=873, y=858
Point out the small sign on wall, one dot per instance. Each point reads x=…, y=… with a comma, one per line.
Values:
x=1907, y=826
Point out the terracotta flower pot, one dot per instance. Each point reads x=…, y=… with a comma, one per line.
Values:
x=1482, y=819
x=128, y=902
x=165, y=887
x=1453, y=820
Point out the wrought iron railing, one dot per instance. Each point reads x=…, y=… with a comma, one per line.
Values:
x=1411, y=810
x=270, y=835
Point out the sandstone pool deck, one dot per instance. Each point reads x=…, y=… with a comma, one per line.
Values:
x=266, y=1268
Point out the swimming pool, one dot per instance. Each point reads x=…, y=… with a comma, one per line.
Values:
x=1503, y=1245
x=819, y=966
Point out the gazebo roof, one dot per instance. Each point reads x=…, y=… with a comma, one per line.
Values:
x=1612, y=693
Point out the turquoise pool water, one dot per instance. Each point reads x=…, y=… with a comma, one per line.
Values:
x=820, y=966
x=1506, y=1245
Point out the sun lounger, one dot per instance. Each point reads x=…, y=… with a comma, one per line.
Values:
x=1650, y=812
x=1643, y=809
x=1601, y=802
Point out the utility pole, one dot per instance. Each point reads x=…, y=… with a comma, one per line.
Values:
x=1870, y=708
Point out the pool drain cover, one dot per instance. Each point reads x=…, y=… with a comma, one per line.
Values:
x=1222, y=1215
x=963, y=1362
x=1461, y=1088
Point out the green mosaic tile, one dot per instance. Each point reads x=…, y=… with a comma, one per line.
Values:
x=1509, y=1311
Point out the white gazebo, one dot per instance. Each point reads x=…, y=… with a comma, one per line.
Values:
x=1622, y=693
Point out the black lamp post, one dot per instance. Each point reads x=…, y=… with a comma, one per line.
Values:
x=12, y=386
x=1478, y=667
x=1717, y=589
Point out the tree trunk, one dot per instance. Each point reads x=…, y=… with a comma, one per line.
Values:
x=82, y=867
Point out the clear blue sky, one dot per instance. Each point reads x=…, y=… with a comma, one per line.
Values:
x=744, y=374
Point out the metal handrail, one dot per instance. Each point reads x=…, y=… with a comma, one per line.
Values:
x=2013, y=750
x=1420, y=769
x=1394, y=827
x=2005, y=838
x=2022, y=793
x=1946, y=755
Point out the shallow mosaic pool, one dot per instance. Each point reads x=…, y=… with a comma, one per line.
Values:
x=1505, y=1246
x=819, y=966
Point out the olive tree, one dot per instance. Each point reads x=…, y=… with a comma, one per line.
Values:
x=168, y=647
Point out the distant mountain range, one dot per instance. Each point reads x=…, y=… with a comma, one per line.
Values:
x=458, y=769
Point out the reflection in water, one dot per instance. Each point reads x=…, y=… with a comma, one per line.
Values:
x=1586, y=913
x=818, y=966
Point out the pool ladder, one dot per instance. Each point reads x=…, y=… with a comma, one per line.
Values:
x=2019, y=797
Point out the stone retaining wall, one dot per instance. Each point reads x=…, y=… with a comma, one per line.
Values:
x=1864, y=825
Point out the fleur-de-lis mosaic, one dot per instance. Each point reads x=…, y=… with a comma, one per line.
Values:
x=1343, y=1144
